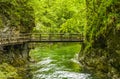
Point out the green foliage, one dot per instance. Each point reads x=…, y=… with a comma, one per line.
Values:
x=8, y=71
x=16, y=13
x=101, y=46
x=100, y=14
x=67, y=16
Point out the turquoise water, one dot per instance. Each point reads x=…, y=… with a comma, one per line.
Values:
x=57, y=62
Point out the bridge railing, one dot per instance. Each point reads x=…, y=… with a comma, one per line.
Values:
x=12, y=39
x=40, y=37
x=56, y=37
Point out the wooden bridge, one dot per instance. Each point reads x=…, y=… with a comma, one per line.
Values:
x=6, y=39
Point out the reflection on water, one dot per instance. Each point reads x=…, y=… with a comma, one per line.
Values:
x=58, y=66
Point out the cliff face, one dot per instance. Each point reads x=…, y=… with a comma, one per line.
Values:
x=100, y=53
x=16, y=16
x=14, y=58
x=15, y=54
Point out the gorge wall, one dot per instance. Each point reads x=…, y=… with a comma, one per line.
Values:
x=16, y=17
x=100, y=52
x=16, y=55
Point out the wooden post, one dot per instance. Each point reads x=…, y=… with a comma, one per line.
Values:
x=49, y=37
x=70, y=37
x=61, y=37
x=81, y=37
x=40, y=37
x=30, y=37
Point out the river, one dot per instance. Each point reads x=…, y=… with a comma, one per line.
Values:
x=57, y=62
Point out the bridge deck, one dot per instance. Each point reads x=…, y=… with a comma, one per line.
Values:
x=38, y=37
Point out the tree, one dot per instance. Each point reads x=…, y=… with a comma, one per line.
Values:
x=16, y=13
x=59, y=15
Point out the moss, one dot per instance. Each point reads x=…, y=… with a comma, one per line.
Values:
x=8, y=71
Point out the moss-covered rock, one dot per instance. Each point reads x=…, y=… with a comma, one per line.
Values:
x=16, y=56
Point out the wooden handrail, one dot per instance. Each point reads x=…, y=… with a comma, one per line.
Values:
x=41, y=37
